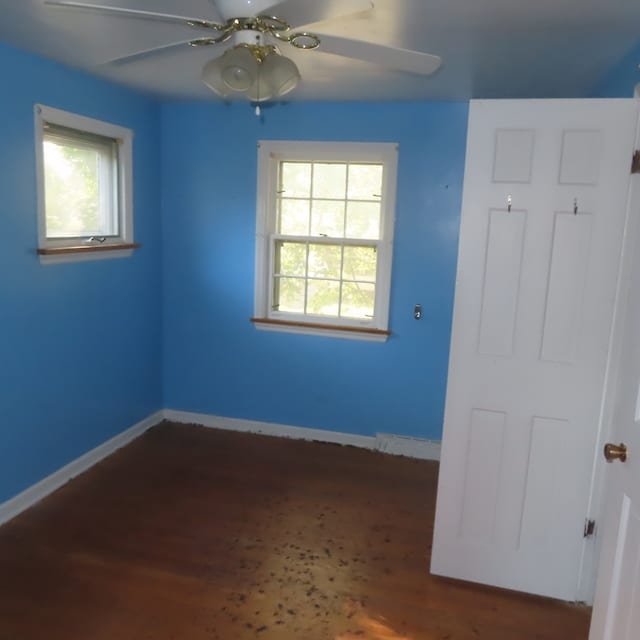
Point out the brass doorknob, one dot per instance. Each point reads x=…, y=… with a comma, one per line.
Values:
x=615, y=452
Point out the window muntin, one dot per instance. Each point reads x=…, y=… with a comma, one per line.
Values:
x=327, y=232
x=318, y=201
x=85, y=176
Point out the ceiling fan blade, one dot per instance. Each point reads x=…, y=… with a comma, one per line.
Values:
x=132, y=13
x=388, y=57
x=145, y=53
x=298, y=14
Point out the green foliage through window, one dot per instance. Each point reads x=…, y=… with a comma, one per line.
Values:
x=328, y=224
x=79, y=182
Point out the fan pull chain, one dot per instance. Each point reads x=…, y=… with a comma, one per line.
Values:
x=258, y=83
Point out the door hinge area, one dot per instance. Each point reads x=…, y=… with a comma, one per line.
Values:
x=589, y=528
x=635, y=162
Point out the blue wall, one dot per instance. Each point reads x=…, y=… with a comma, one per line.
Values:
x=216, y=361
x=80, y=344
x=621, y=80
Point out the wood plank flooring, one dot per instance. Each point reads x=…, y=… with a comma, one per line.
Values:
x=191, y=533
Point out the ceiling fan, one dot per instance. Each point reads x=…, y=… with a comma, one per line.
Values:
x=253, y=65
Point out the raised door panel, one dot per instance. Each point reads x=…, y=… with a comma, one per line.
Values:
x=501, y=284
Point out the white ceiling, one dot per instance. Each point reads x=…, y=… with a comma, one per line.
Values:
x=490, y=48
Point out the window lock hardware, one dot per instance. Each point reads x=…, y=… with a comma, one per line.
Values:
x=99, y=239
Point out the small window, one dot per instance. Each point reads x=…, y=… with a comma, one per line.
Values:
x=324, y=237
x=84, y=185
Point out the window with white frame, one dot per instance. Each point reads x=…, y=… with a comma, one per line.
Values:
x=325, y=217
x=84, y=171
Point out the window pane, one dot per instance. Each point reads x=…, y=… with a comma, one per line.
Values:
x=327, y=218
x=357, y=300
x=360, y=263
x=79, y=186
x=323, y=297
x=365, y=182
x=290, y=259
x=329, y=180
x=363, y=220
x=288, y=295
x=295, y=179
x=294, y=217
x=324, y=261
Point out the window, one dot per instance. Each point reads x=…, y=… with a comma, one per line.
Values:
x=324, y=237
x=84, y=171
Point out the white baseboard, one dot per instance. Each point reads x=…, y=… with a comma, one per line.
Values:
x=269, y=428
x=387, y=443
x=408, y=446
x=36, y=492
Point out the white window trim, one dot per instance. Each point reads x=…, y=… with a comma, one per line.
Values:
x=270, y=153
x=88, y=252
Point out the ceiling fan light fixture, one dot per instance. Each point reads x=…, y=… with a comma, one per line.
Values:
x=258, y=72
x=260, y=91
x=280, y=73
x=239, y=68
x=212, y=77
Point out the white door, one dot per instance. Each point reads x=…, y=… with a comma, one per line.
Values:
x=616, y=612
x=544, y=208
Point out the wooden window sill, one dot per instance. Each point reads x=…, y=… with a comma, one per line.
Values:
x=86, y=253
x=57, y=251
x=316, y=328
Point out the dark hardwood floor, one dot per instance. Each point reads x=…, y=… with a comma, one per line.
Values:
x=191, y=533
